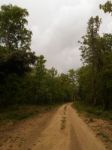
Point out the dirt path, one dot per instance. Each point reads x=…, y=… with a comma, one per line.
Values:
x=63, y=131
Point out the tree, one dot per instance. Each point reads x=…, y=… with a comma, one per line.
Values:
x=107, y=7
x=39, y=80
x=84, y=86
x=15, y=41
x=90, y=51
x=89, y=48
x=107, y=60
x=94, y=78
x=106, y=72
x=73, y=83
x=13, y=32
x=40, y=67
x=52, y=72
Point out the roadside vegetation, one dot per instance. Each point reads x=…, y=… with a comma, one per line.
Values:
x=92, y=112
x=25, y=80
x=27, y=87
x=17, y=113
x=14, y=114
x=94, y=78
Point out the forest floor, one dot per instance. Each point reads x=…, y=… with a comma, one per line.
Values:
x=58, y=129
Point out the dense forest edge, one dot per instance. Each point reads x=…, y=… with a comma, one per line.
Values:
x=25, y=80
x=95, y=77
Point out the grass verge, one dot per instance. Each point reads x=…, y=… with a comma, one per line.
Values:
x=17, y=113
x=94, y=112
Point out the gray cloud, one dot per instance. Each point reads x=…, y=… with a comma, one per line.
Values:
x=57, y=25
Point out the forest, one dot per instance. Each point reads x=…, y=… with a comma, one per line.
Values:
x=24, y=78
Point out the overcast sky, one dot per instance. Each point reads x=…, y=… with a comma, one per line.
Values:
x=57, y=25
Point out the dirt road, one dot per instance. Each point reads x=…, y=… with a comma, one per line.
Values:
x=63, y=130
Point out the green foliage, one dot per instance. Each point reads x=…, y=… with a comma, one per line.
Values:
x=92, y=111
x=16, y=113
x=107, y=7
x=15, y=40
x=13, y=32
x=89, y=46
x=24, y=78
x=95, y=77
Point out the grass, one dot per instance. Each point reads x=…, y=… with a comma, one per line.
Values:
x=103, y=135
x=94, y=112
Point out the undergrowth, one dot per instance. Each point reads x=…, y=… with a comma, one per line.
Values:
x=92, y=111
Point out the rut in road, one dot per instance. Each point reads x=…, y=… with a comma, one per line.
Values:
x=68, y=132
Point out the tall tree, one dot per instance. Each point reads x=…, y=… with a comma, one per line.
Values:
x=90, y=50
x=40, y=67
x=73, y=83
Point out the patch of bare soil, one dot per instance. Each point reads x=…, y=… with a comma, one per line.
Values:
x=102, y=128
